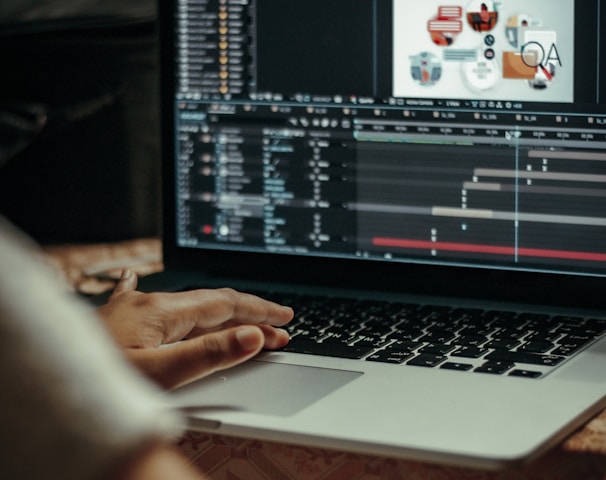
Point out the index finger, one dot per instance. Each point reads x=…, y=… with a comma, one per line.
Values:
x=213, y=308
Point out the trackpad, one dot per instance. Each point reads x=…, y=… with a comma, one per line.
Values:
x=262, y=387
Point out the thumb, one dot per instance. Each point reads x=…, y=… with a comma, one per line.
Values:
x=175, y=365
x=127, y=283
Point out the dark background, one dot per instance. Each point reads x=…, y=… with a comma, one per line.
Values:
x=90, y=170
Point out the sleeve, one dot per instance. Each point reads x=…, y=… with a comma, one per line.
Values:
x=72, y=407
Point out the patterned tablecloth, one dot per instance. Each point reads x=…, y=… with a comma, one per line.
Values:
x=93, y=269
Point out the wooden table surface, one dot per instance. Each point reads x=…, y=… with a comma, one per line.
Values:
x=92, y=268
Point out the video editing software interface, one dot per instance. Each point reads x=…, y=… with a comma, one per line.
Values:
x=453, y=132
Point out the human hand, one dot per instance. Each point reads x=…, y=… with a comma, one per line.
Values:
x=223, y=328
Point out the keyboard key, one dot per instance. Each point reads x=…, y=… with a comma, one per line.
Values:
x=525, y=373
x=426, y=360
x=375, y=329
x=496, y=368
x=334, y=337
x=405, y=333
x=470, y=352
x=389, y=356
x=374, y=341
x=507, y=344
x=575, y=330
x=500, y=316
x=310, y=335
x=543, y=336
x=437, y=348
x=568, y=320
x=470, y=340
x=456, y=366
x=565, y=351
x=524, y=357
x=433, y=311
x=339, y=329
x=327, y=349
x=509, y=334
x=535, y=318
x=597, y=326
x=467, y=314
x=438, y=336
x=536, y=346
x=405, y=345
x=483, y=331
x=575, y=340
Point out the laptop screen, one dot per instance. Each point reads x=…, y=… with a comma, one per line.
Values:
x=460, y=133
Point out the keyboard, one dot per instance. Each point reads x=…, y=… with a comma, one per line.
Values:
x=494, y=342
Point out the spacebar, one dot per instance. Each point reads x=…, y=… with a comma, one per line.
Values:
x=340, y=350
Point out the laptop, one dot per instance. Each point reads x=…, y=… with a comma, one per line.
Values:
x=425, y=183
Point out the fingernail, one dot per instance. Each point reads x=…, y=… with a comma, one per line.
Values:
x=248, y=338
x=126, y=273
